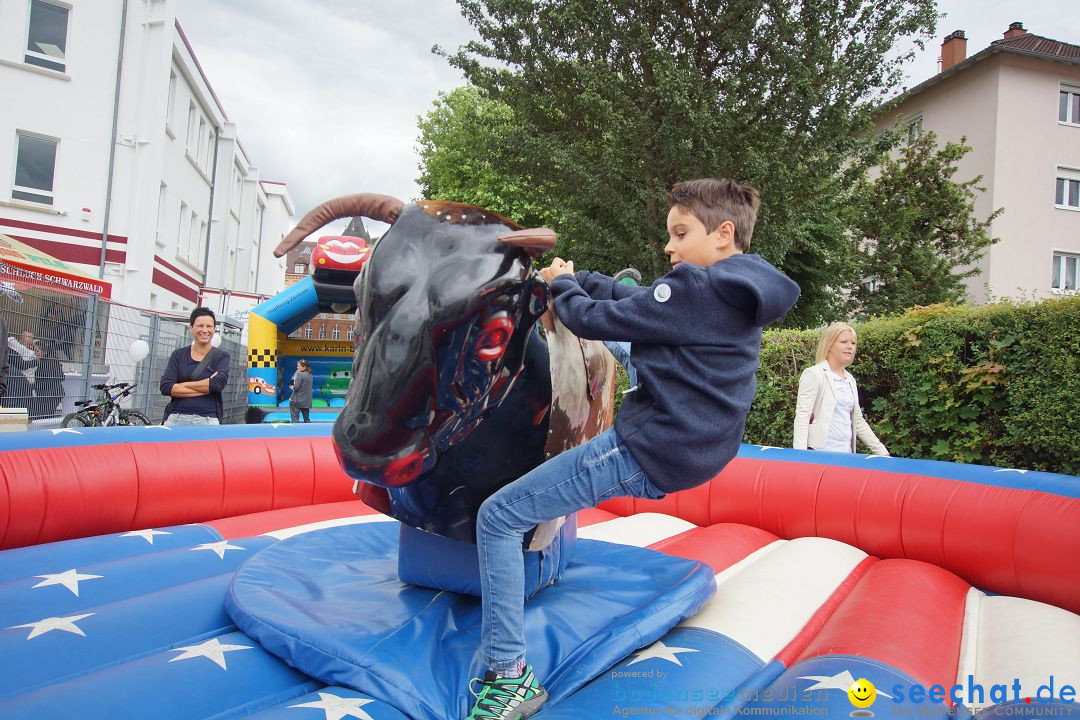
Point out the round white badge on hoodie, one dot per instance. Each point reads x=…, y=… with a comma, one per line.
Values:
x=662, y=292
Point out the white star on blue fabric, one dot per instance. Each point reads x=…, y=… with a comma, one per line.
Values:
x=840, y=681
x=662, y=652
x=69, y=579
x=67, y=624
x=1015, y=470
x=57, y=431
x=147, y=535
x=218, y=547
x=337, y=708
x=213, y=649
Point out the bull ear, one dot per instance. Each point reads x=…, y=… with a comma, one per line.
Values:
x=384, y=208
x=534, y=241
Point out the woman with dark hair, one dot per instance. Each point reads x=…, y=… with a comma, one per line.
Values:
x=300, y=401
x=196, y=375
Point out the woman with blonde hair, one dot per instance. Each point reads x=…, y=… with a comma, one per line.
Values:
x=827, y=413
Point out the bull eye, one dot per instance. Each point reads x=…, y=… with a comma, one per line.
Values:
x=493, y=338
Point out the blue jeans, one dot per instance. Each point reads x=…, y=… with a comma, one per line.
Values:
x=574, y=480
x=621, y=351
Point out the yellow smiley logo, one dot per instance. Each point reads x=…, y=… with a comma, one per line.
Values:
x=862, y=693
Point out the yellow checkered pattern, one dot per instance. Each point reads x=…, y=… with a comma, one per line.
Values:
x=262, y=358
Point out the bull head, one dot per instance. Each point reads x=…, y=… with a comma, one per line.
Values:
x=446, y=307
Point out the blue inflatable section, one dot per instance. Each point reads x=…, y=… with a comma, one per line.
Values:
x=433, y=561
x=686, y=675
x=329, y=601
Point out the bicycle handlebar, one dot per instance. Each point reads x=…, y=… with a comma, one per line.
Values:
x=105, y=386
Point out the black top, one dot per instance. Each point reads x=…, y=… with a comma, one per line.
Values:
x=180, y=369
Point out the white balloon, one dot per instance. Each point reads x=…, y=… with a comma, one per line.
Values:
x=216, y=340
x=139, y=350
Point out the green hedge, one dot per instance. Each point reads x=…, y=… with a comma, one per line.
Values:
x=995, y=385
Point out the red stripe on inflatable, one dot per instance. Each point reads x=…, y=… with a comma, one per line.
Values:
x=593, y=516
x=811, y=629
x=1009, y=541
x=263, y=522
x=1046, y=551
x=78, y=491
x=719, y=546
x=64, y=492
x=902, y=613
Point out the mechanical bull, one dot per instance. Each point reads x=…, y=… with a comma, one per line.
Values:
x=463, y=379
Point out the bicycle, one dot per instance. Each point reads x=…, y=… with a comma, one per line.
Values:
x=106, y=410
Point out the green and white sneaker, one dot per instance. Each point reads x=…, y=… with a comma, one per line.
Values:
x=507, y=698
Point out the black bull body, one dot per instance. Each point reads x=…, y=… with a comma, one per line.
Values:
x=462, y=381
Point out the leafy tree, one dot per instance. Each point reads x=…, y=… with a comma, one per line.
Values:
x=920, y=238
x=613, y=102
x=470, y=148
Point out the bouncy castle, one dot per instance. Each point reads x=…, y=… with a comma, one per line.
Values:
x=272, y=354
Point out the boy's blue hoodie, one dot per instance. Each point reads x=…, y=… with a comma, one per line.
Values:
x=695, y=335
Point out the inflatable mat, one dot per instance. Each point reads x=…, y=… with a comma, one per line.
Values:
x=331, y=605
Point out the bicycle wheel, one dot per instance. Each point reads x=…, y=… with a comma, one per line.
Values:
x=133, y=417
x=77, y=420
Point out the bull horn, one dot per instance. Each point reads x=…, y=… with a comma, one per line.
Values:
x=384, y=208
x=535, y=241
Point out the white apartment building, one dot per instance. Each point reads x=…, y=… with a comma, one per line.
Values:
x=1018, y=103
x=121, y=159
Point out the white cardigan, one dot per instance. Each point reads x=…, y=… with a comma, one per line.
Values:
x=817, y=398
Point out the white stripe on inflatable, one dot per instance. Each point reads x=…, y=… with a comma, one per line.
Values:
x=322, y=524
x=747, y=561
x=969, y=639
x=764, y=605
x=638, y=530
x=1028, y=641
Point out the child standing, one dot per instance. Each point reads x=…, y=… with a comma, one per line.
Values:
x=695, y=335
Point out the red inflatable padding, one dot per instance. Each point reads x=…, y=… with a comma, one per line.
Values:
x=79, y=491
x=58, y=493
x=243, y=526
x=1009, y=541
x=719, y=546
x=821, y=616
x=906, y=614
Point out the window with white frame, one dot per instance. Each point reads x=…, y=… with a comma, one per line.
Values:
x=182, y=230
x=336, y=335
x=206, y=156
x=204, y=143
x=162, y=198
x=192, y=118
x=193, y=240
x=322, y=332
x=1069, y=105
x=46, y=35
x=307, y=332
x=202, y=246
x=351, y=334
x=35, y=166
x=171, y=107
x=1067, y=189
x=914, y=129
x=298, y=268
x=1064, y=272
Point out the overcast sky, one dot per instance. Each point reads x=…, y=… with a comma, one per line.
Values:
x=326, y=93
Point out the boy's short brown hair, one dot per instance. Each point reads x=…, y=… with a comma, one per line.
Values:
x=713, y=201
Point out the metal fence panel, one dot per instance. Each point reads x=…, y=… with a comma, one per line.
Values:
x=60, y=344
